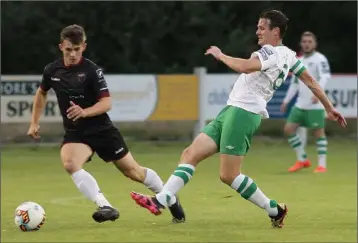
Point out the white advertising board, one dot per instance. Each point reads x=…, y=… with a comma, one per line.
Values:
x=134, y=97
x=341, y=89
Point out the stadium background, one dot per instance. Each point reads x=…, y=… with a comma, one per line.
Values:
x=162, y=38
x=165, y=42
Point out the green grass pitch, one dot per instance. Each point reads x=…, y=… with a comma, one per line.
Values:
x=322, y=207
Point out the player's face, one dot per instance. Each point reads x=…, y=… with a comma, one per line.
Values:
x=264, y=33
x=308, y=44
x=72, y=54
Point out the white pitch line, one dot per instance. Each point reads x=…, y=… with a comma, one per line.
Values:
x=70, y=201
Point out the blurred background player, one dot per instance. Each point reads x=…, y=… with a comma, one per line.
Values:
x=230, y=133
x=308, y=112
x=84, y=100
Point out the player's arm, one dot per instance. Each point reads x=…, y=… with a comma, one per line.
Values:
x=300, y=71
x=103, y=104
x=241, y=65
x=259, y=61
x=316, y=89
x=39, y=102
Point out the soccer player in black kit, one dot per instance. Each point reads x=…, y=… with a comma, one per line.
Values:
x=84, y=99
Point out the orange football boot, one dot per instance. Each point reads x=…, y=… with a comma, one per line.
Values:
x=299, y=165
x=320, y=169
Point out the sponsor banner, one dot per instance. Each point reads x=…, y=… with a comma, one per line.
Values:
x=341, y=89
x=17, y=99
x=134, y=97
x=177, y=99
x=217, y=88
x=162, y=97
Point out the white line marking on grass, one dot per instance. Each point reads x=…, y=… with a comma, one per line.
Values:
x=82, y=201
x=71, y=201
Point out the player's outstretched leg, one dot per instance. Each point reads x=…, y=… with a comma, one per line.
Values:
x=295, y=142
x=321, y=144
x=247, y=188
x=202, y=147
x=235, y=143
x=73, y=156
x=151, y=180
x=87, y=184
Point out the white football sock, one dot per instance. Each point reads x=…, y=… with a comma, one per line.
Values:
x=176, y=181
x=322, y=151
x=87, y=184
x=296, y=144
x=302, y=134
x=153, y=181
x=249, y=190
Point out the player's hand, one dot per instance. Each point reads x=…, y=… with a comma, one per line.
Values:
x=283, y=107
x=214, y=51
x=334, y=115
x=314, y=100
x=75, y=112
x=34, y=131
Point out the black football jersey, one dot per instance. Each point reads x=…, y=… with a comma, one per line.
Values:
x=84, y=84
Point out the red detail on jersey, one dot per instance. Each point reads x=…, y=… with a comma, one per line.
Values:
x=43, y=88
x=104, y=93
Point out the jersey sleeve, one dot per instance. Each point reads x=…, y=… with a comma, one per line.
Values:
x=297, y=66
x=99, y=83
x=45, y=84
x=267, y=56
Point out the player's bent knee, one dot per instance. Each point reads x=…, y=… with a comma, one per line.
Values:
x=228, y=178
x=288, y=129
x=188, y=156
x=71, y=166
x=318, y=133
x=230, y=167
x=201, y=148
x=74, y=155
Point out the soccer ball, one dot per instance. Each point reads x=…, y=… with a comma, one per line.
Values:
x=29, y=216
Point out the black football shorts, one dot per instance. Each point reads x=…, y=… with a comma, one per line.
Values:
x=108, y=144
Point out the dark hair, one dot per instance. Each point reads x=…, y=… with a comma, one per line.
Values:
x=309, y=33
x=277, y=19
x=74, y=33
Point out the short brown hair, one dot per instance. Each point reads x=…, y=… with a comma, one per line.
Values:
x=309, y=33
x=277, y=19
x=74, y=33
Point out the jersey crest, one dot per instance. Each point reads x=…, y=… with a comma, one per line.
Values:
x=81, y=77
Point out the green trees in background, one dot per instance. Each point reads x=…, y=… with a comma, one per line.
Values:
x=167, y=37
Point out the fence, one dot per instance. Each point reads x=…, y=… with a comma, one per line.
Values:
x=159, y=105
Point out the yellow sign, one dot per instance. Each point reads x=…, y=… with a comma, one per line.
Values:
x=177, y=98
